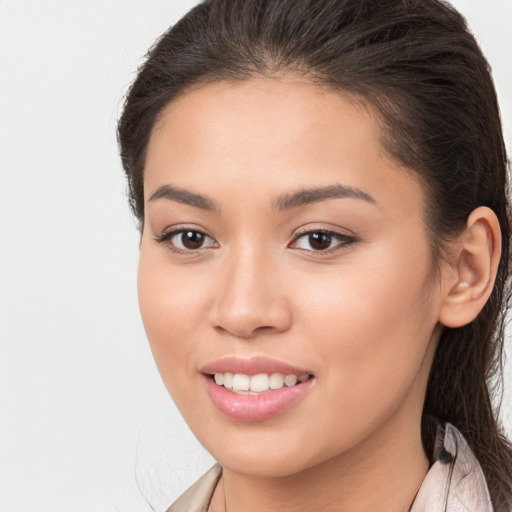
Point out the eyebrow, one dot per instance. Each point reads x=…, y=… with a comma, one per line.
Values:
x=184, y=196
x=314, y=195
x=296, y=199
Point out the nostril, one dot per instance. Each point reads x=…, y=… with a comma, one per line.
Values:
x=246, y=312
x=264, y=328
x=245, y=333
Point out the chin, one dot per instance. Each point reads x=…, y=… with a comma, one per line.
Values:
x=263, y=465
x=262, y=456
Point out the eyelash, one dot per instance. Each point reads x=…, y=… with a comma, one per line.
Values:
x=167, y=236
x=344, y=240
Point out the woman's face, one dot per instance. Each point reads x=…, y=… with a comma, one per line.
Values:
x=281, y=240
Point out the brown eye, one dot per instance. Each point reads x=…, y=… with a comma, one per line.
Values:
x=192, y=239
x=319, y=241
x=184, y=240
x=322, y=241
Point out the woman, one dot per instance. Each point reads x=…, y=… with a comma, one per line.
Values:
x=321, y=190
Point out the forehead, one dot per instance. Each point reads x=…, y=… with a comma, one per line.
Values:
x=272, y=133
x=272, y=110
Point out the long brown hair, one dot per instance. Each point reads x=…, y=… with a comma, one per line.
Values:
x=416, y=63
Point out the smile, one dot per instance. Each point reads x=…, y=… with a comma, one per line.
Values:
x=255, y=389
x=255, y=384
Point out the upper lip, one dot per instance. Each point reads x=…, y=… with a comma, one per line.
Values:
x=252, y=366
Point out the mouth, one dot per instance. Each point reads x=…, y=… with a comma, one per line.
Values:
x=255, y=389
x=244, y=384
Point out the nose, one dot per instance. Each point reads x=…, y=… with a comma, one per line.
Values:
x=250, y=299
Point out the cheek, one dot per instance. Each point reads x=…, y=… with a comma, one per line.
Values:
x=170, y=307
x=372, y=321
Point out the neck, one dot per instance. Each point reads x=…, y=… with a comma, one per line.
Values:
x=383, y=473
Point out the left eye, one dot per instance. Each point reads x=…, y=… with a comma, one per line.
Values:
x=321, y=240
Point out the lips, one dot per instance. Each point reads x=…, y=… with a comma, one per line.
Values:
x=251, y=366
x=255, y=389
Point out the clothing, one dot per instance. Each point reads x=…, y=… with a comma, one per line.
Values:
x=454, y=482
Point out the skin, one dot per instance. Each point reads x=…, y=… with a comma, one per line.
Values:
x=364, y=318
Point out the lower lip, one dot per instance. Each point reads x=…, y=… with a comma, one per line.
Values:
x=255, y=407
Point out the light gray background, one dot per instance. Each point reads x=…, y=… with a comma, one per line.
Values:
x=85, y=423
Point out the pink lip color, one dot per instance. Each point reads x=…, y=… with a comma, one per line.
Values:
x=252, y=366
x=253, y=407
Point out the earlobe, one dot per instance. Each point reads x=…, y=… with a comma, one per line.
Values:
x=477, y=255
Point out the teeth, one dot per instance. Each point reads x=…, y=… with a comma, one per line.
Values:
x=228, y=380
x=276, y=381
x=290, y=380
x=241, y=382
x=252, y=384
x=259, y=382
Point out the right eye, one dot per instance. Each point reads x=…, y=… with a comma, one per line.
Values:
x=186, y=240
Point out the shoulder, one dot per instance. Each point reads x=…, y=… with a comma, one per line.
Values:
x=198, y=496
x=455, y=481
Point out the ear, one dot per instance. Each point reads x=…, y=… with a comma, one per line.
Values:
x=476, y=255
